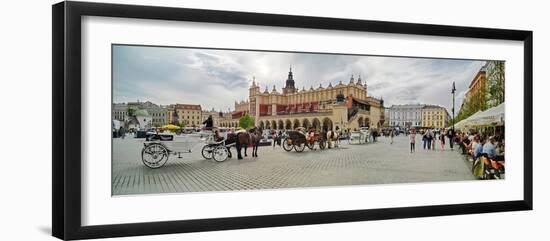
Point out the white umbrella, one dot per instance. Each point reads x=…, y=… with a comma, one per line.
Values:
x=491, y=117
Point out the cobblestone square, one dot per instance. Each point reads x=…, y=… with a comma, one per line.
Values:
x=372, y=163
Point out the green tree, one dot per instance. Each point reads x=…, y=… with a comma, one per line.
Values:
x=132, y=111
x=246, y=122
x=495, y=83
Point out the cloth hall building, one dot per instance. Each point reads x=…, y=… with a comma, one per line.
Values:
x=342, y=106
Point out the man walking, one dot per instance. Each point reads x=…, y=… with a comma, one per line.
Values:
x=451, y=135
x=434, y=140
x=424, y=139
x=274, y=137
x=429, y=137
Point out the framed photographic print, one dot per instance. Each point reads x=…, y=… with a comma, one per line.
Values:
x=171, y=120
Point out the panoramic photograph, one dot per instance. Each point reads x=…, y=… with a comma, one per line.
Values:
x=187, y=120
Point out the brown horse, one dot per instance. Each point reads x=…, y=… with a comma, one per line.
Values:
x=243, y=140
x=255, y=137
x=252, y=137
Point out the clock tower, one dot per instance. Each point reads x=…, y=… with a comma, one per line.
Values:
x=289, y=86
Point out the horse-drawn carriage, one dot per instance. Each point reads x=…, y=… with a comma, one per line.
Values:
x=158, y=148
x=298, y=141
x=359, y=137
x=210, y=150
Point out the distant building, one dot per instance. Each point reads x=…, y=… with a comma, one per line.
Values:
x=386, y=117
x=158, y=114
x=406, y=116
x=486, y=90
x=188, y=114
x=171, y=116
x=477, y=91
x=435, y=117
x=216, y=116
x=120, y=112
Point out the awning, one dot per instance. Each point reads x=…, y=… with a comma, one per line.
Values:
x=490, y=117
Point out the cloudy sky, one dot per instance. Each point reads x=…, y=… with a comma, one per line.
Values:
x=216, y=78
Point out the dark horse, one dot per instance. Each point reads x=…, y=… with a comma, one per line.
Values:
x=243, y=140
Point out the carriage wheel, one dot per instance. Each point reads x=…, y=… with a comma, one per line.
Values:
x=220, y=153
x=154, y=155
x=299, y=147
x=207, y=151
x=310, y=145
x=322, y=144
x=286, y=145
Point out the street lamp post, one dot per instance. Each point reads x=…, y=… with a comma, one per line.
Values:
x=453, y=110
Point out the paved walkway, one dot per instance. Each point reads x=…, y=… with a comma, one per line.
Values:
x=377, y=163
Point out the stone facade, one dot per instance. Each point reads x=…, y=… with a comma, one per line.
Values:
x=120, y=112
x=314, y=107
x=216, y=116
x=406, y=116
x=435, y=117
x=418, y=116
x=188, y=114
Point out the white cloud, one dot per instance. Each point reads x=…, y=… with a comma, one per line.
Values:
x=216, y=78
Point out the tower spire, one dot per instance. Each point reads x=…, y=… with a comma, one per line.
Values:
x=289, y=85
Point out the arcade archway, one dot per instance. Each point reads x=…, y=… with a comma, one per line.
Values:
x=296, y=123
x=306, y=123
x=327, y=124
x=316, y=124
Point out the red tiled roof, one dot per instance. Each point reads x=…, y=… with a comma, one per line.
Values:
x=188, y=106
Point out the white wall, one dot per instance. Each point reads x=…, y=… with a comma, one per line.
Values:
x=26, y=82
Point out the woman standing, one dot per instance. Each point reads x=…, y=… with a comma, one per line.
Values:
x=412, y=139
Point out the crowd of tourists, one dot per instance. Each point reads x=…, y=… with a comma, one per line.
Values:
x=484, y=149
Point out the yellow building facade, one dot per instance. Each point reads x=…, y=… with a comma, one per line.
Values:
x=188, y=114
x=435, y=117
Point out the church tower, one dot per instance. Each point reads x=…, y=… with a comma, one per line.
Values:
x=289, y=86
x=253, y=92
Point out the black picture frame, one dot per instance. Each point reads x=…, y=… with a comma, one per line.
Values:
x=66, y=150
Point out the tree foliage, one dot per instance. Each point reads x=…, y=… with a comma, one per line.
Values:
x=246, y=122
x=132, y=110
x=495, y=83
x=491, y=95
x=182, y=124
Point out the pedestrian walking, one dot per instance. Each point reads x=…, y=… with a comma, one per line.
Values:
x=424, y=139
x=429, y=137
x=122, y=132
x=442, y=140
x=274, y=137
x=412, y=140
x=391, y=136
x=434, y=140
x=451, y=136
